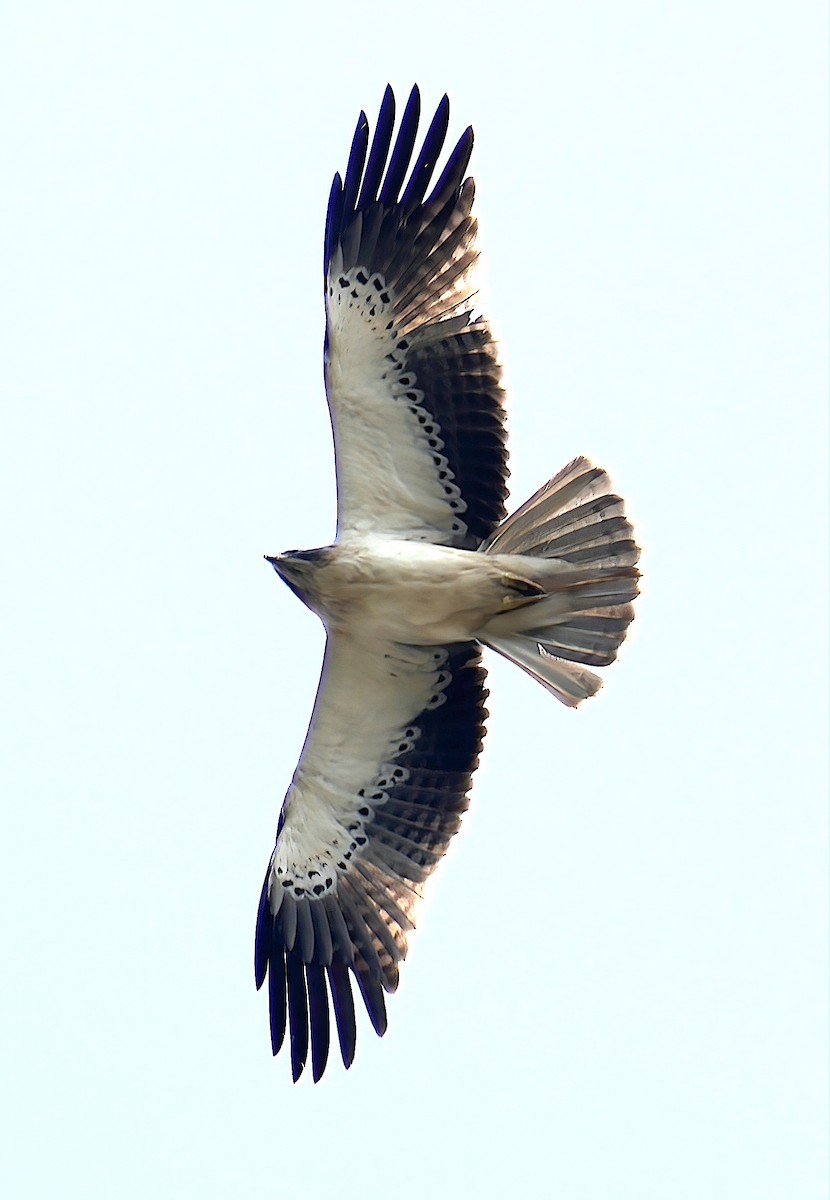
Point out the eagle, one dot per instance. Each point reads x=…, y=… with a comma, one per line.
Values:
x=424, y=571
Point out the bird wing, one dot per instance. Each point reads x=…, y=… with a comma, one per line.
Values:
x=378, y=793
x=412, y=376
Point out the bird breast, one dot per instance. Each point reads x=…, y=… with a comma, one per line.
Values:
x=411, y=592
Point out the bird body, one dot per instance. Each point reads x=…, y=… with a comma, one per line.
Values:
x=425, y=570
x=421, y=594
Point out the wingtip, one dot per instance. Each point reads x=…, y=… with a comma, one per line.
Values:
x=387, y=107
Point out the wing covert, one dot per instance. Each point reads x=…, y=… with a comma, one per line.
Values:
x=379, y=791
x=412, y=376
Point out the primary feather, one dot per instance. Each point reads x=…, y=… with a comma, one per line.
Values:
x=423, y=572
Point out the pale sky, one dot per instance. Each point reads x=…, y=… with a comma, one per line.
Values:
x=618, y=987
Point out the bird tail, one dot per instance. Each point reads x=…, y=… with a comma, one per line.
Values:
x=572, y=543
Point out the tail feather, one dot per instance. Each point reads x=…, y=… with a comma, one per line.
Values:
x=593, y=640
x=556, y=505
x=573, y=540
x=602, y=547
x=574, y=521
x=569, y=683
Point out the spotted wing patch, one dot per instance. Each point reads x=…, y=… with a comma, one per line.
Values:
x=398, y=469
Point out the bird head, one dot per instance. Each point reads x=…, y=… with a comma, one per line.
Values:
x=297, y=567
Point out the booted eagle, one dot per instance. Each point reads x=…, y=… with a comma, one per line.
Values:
x=423, y=572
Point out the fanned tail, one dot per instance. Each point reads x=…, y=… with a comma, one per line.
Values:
x=573, y=541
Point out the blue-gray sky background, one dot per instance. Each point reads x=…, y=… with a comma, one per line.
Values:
x=619, y=983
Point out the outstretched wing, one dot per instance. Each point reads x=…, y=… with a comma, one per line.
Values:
x=412, y=375
x=378, y=793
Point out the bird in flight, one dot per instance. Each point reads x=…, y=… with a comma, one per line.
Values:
x=424, y=571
